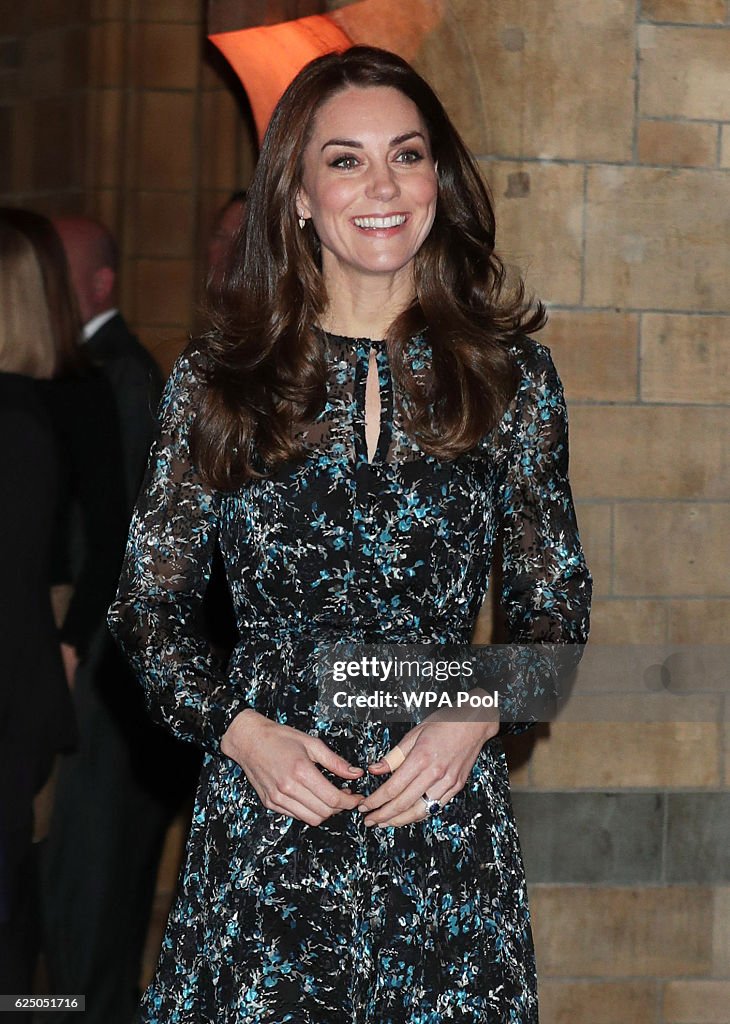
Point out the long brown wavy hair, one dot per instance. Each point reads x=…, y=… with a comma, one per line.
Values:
x=263, y=363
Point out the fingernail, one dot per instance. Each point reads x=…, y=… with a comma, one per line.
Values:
x=362, y=808
x=378, y=764
x=351, y=768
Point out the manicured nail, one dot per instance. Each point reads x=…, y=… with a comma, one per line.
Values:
x=353, y=770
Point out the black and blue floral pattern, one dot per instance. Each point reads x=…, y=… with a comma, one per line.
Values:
x=276, y=921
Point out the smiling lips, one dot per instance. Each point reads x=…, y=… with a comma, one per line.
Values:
x=394, y=220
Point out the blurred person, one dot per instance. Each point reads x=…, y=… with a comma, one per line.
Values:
x=117, y=795
x=91, y=519
x=36, y=713
x=225, y=229
x=135, y=378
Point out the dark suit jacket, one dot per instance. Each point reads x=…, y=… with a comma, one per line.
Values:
x=137, y=385
x=36, y=713
x=92, y=511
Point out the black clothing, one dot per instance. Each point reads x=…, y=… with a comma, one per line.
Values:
x=137, y=384
x=36, y=715
x=92, y=523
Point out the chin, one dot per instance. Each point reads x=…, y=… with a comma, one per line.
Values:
x=387, y=264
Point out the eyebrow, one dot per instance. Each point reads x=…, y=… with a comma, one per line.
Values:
x=354, y=144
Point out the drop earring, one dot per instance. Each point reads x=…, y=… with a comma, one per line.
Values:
x=302, y=222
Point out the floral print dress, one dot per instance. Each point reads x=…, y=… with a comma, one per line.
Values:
x=276, y=921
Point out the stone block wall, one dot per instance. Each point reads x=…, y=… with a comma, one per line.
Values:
x=120, y=109
x=180, y=143
x=44, y=74
x=606, y=128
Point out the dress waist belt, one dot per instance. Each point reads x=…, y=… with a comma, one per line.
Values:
x=371, y=632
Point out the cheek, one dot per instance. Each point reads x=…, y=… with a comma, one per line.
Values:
x=428, y=191
x=426, y=196
x=330, y=201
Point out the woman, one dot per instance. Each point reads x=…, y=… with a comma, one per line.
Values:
x=365, y=413
x=91, y=521
x=89, y=529
x=36, y=717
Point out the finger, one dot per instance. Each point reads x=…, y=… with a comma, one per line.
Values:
x=337, y=799
x=395, y=785
x=310, y=779
x=409, y=817
x=306, y=774
x=423, y=783
x=301, y=797
x=419, y=812
x=288, y=794
x=397, y=754
x=323, y=755
x=308, y=788
x=393, y=759
x=295, y=809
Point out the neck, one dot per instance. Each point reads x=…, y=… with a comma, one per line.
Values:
x=364, y=305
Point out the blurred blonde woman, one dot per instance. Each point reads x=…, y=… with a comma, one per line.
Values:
x=61, y=460
x=36, y=716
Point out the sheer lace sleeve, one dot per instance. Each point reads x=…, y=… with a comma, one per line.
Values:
x=156, y=616
x=546, y=585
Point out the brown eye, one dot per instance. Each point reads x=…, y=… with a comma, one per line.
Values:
x=345, y=162
x=409, y=156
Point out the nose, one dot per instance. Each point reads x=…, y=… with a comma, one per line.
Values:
x=382, y=182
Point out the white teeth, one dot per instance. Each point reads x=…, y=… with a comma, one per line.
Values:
x=380, y=222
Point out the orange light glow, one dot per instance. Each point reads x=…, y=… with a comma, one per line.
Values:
x=267, y=58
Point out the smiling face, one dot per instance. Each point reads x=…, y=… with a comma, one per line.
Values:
x=369, y=182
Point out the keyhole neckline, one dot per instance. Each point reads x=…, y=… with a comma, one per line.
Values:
x=376, y=343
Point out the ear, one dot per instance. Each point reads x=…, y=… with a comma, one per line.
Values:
x=301, y=201
x=103, y=284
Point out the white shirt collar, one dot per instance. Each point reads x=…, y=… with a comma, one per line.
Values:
x=97, y=322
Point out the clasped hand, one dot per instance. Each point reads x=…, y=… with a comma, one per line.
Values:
x=281, y=763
